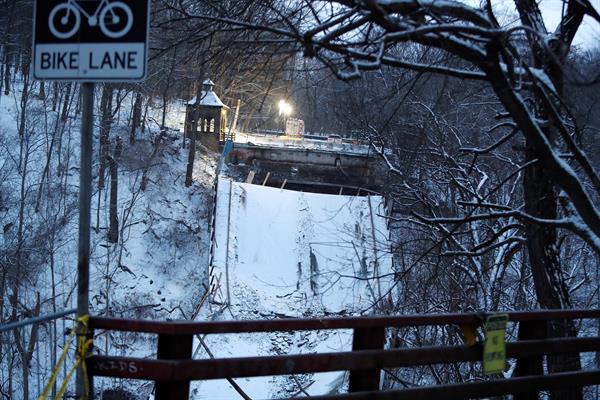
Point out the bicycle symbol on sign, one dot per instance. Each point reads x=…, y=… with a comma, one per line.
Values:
x=115, y=19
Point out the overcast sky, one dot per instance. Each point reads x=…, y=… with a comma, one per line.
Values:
x=589, y=32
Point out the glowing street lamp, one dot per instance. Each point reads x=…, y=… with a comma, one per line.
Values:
x=285, y=109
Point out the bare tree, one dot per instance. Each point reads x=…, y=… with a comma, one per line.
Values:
x=524, y=66
x=489, y=52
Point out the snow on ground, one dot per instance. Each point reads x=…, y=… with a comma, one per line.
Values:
x=158, y=268
x=293, y=254
x=160, y=271
x=164, y=239
x=159, y=265
x=306, y=248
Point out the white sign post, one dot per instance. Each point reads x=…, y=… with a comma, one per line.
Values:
x=90, y=40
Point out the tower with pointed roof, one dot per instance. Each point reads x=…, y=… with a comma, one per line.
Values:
x=206, y=116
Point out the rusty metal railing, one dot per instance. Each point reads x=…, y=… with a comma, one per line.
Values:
x=174, y=368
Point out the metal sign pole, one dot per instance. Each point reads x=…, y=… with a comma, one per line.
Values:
x=85, y=199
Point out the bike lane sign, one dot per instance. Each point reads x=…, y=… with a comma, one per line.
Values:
x=91, y=40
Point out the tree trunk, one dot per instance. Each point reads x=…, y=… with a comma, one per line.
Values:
x=26, y=353
x=2, y=321
x=45, y=173
x=1, y=77
x=24, y=100
x=539, y=191
x=194, y=115
x=143, y=127
x=164, y=113
x=77, y=105
x=192, y=151
x=105, y=121
x=15, y=299
x=136, y=117
x=548, y=276
x=54, y=95
x=167, y=87
x=113, y=230
x=42, y=92
x=541, y=202
x=52, y=328
x=65, y=109
x=6, y=74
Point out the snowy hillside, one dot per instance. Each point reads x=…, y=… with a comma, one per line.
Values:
x=156, y=268
x=160, y=264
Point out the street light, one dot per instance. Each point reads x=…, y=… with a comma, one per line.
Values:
x=285, y=109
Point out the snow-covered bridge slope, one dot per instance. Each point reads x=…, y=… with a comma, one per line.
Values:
x=289, y=253
x=297, y=253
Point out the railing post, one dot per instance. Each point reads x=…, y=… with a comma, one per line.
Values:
x=366, y=339
x=532, y=365
x=174, y=347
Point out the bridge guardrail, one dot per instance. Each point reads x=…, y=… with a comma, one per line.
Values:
x=174, y=369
